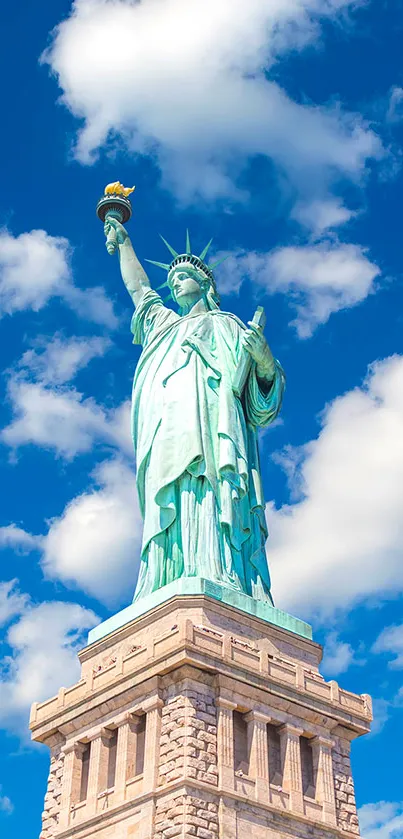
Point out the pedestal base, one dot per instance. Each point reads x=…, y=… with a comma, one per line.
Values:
x=200, y=719
x=190, y=586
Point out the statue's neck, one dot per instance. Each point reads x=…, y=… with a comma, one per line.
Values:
x=196, y=308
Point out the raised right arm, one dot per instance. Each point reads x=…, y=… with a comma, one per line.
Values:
x=133, y=273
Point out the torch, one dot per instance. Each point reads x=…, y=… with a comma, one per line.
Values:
x=115, y=204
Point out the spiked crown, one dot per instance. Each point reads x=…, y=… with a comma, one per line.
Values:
x=189, y=258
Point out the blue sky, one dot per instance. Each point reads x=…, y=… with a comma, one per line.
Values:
x=277, y=129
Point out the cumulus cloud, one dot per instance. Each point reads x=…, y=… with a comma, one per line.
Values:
x=58, y=360
x=383, y=820
x=44, y=644
x=34, y=267
x=15, y=537
x=48, y=412
x=95, y=543
x=337, y=655
x=61, y=419
x=342, y=539
x=188, y=85
x=391, y=641
x=319, y=279
x=321, y=215
x=12, y=601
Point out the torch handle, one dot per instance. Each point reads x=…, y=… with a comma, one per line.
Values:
x=111, y=239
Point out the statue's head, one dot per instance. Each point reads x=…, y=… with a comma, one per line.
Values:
x=189, y=284
x=190, y=278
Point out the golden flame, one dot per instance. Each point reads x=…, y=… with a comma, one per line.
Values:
x=117, y=188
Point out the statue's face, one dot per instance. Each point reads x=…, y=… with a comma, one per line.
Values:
x=185, y=285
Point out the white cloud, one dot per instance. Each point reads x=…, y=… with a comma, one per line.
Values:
x=342, y=541
x=95, y=542
x=34, y=267
x=12, y=601
x=49, y=413
x=12, y=536
x=320, y=279
x=381, y=709
x=6, y=805
x=62, y=420
x=391, y=641
x=337, y=655
x=58, y=360
x=322, y=214
x=395, y=106
x=91, y=304
x=44, y=643
x=383, y=820
x=187, y=86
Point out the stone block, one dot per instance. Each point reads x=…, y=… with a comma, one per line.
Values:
x=189, y=741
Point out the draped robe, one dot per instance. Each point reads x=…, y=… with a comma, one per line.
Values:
x=198, y=474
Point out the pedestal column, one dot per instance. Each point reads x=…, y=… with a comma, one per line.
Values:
x=258, y=751
x=323, y=762
x=125, y=754
x=70, y=792
x=98, y=770
x=291, y=763
x=225, y=742
x=152, y=707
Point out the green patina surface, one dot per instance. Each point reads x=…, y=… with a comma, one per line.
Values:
x=194, y=431
x=191, y=586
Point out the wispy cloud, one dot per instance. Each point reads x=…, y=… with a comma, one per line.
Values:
x=318, y=279
x=383, y=820
x=6, y=805
x=56, y=360
x=390, y=641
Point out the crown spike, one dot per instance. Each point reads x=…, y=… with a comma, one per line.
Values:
x=163, y=285
x=163, y=265
x=170, y=248
x=188, y=248
x=219, y=261
x=204, y=251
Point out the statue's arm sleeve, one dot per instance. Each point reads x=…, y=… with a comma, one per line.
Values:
x=262, y=406
x=149, y=316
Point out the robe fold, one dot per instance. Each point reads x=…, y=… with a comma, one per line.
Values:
x=198, y=473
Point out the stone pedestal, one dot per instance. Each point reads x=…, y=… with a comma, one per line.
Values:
x=144, y=746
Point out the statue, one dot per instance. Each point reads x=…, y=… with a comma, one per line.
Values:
x=198, y=473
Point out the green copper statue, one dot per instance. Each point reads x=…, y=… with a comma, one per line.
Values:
x=198, y=472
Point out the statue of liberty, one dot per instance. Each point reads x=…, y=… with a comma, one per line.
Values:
x=198, y=473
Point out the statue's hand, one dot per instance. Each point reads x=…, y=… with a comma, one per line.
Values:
x=256, y=345
x=121, y=232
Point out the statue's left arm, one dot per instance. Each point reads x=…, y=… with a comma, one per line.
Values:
x=266, y=381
